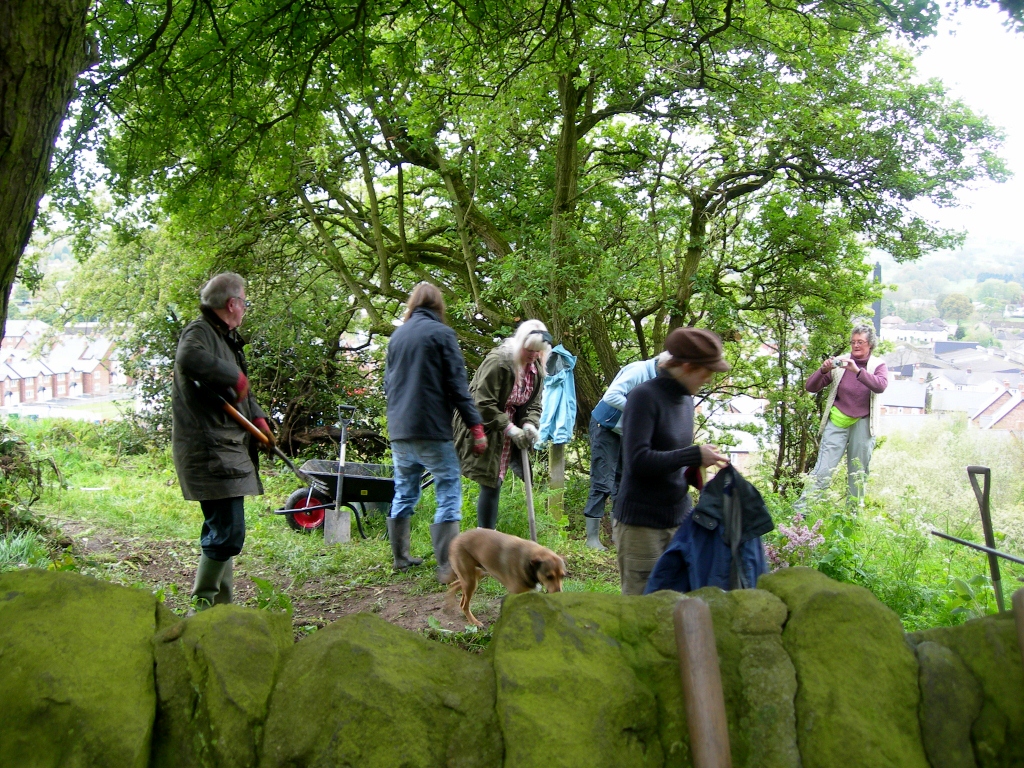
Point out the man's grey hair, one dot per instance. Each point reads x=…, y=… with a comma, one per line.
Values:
x=226, y=285
x=863, y=329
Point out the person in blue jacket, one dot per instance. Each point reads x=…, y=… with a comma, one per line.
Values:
x=425, y=383
x=606, y=442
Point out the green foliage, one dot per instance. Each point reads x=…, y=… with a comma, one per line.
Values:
x=21, y=481
x=615, y=171
x=270, y=598
x=24, y=549
x=918, y=484
x=955, y=305
x=472, y=639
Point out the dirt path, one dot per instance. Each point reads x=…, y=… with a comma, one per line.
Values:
x=170, y=566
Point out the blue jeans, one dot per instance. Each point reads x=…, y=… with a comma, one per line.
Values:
x=438, y=457
x=223, y=527
x=605, y=468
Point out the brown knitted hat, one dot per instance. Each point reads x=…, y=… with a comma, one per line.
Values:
x=697, y=346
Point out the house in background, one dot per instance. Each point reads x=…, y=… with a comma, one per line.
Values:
x=958, y=401
x=907, y=397
x=983, y=416
x=1010, y=416
x=926, y=332
x=37, y=366
x=23, y=334
x=10, y=391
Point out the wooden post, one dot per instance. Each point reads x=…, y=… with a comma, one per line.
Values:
x=702, y=685
x=337, y=526
x=556, y=463
x=1018, y=614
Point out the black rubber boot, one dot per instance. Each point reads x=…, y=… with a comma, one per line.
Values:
x=398, y=533
x=226, y=594
x=487, y=507
x=441, y=536
x=594, y=533
x=208, y=581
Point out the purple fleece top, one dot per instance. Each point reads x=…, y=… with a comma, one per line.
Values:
x=854, y=395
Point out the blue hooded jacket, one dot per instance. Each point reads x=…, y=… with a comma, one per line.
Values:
x=558, y=418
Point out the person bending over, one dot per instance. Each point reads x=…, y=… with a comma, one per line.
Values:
x=507, y=391
x=659, y=459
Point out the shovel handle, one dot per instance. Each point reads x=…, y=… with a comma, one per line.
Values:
x=528, y=483
x=247, y=425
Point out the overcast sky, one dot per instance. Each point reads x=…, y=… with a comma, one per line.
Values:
x=981, y=62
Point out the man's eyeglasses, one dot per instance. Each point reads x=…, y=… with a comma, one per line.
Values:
x=246, y=302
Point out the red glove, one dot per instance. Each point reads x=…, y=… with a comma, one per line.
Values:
x=241, y=387
x=479, y=439
x=264, y=427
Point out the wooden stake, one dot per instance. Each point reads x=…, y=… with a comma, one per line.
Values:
x=702, y=685
x=556, y=462
x=528, y=482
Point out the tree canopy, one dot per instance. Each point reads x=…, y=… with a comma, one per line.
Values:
x=615, y=170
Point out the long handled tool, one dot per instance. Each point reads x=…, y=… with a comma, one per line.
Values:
x=257, y=433
x=983, y=495
x=1018, y=613
x=529, y=494
x=337, y=524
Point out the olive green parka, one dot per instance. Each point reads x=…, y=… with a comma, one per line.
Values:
x=491, y=386
x=212, y=453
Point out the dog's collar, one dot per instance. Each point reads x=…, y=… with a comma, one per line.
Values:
x=532, y=571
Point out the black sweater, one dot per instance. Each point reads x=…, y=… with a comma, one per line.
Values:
x=657, y=447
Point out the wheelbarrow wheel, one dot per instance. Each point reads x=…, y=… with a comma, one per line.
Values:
x=306, y=521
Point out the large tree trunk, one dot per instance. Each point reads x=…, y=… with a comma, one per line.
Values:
x=43, y=49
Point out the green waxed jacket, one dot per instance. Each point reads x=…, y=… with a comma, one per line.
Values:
x=491, y=386
x=212, y=454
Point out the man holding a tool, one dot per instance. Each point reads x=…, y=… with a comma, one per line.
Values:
x=214, y=456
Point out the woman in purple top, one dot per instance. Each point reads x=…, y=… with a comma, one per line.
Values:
x=851, y=413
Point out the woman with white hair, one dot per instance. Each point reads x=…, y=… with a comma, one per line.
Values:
x=507, y=391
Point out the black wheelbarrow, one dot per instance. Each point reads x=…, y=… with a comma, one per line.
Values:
x=366, y=488
x=363, y=488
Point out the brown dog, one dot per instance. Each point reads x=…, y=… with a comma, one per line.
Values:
x=518, y=564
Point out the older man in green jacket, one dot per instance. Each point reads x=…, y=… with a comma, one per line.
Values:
x=217, y=464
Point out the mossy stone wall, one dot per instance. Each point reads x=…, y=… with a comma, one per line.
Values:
x=814, y=673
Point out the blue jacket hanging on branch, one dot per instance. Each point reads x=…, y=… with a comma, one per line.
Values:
x=559, y=415
x=719, y=543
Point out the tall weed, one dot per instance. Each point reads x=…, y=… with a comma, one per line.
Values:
x=22, y=550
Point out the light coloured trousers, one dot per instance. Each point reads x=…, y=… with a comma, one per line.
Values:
x=856, y=441
x=637, y=549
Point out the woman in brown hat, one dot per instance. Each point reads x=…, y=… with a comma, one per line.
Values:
x=659, y=459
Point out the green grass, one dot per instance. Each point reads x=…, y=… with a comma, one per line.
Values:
x=138, y=496
x=23, y=549
x=109, y=409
